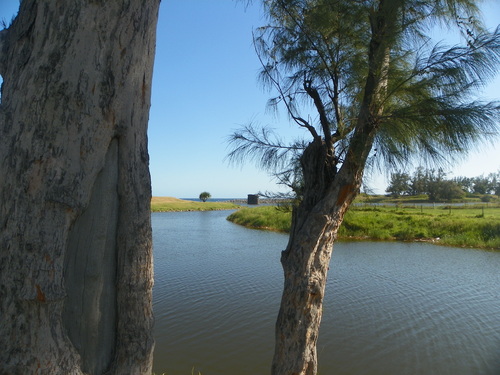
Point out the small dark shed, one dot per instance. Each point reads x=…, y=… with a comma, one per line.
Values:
x=253, y=199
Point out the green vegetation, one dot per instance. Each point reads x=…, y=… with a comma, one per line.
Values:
x=165, y=204
x=205, y=196
x=263, y=217
x=475, y=226
x=437, y=187
x=423, y=198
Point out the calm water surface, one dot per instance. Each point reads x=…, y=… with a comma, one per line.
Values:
x=390, y=308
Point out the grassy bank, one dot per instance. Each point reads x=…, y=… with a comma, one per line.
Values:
x=463, y=226
x=165, y=204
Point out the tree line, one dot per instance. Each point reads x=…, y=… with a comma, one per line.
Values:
x=438, y=187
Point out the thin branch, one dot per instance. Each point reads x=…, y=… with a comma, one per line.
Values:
x=437, y=59
x=299, y=120
x=333, y=76
x=309, y=39
x=264, y=147
x=325, y=124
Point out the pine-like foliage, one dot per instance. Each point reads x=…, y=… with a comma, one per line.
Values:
x=316, y=55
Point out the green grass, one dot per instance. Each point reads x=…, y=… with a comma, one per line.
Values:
x=166, y=204
x=464, y=226
x=416, y=199
x=263, y=217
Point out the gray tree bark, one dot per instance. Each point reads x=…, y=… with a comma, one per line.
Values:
x=75, y=235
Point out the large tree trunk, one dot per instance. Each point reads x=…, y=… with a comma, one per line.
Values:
x=306, y=260
x=75, y=234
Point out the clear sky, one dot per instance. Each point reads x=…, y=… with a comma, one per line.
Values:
x=205, y=86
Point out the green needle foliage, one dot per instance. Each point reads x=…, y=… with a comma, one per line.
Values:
x=316, y=56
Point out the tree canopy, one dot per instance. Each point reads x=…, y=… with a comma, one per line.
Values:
x=317, y=57
x=429, y=182
x=205, y=196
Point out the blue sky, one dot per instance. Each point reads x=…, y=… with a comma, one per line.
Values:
x=205, y=86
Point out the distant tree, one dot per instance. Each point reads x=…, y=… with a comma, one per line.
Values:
x=439, y=188
x=496, y=183
x=205, y=196
x=419, y=182
x=372, y=80
x=465, y=183
x=447, y=190
x=399, y=184
x=482, y=185
x=435, y=183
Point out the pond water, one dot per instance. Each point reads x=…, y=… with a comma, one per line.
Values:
x=390, y=308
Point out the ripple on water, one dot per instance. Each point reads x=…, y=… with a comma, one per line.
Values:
x=390, y=308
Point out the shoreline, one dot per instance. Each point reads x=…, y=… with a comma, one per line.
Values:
x=465, y=228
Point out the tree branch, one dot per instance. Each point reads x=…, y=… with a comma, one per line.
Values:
x=439, y=59
x=270, y=154
x=299, y=120
x=320, y=107
x=333, y=75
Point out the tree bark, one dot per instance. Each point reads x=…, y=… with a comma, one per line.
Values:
x=75, y=233
x=306, y=260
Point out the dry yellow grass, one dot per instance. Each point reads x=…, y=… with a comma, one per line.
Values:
x=159, y=200
x=163, y=204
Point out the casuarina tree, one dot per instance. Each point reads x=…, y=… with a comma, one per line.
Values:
x=75, y=233
x=366, y=82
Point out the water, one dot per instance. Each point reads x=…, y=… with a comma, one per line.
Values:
x=390, y=308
